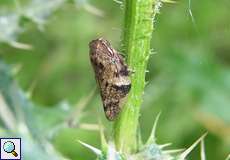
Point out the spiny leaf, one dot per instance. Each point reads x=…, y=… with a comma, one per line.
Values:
x=29, y=123
x=88, y=7
x=9, y=27
x=39, y=10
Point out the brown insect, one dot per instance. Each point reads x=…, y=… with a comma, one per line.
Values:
x=112, y=76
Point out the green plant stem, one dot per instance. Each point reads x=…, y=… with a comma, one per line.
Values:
x=138, y=29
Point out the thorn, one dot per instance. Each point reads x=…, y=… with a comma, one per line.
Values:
x=16, y=69
x=202, y=150
x=168, y=1
x=173, y=151
x=88, y=126
x=152, y=52
x=146, y=83
x=228, y=158
x=111, y=154
x=104, y=144
x=139, y=137
x=187, y=151
x=152, y=137
x=165, y=145
x=157, y=6
x=119, y=2
x=76, y=115
x=147, y=58
x=30, y=91
x=91, y=9
x=95, y=150
x=21, y=45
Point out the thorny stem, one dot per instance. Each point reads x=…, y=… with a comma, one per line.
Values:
x=138, y=27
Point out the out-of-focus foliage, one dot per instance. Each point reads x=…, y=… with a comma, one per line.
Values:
x=189, y=77
x=21, y=118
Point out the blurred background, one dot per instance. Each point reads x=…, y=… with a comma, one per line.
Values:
x=188, y=78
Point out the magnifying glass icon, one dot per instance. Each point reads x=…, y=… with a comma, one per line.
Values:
x=9, y=147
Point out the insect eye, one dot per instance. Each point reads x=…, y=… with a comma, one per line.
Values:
x=113, y=61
